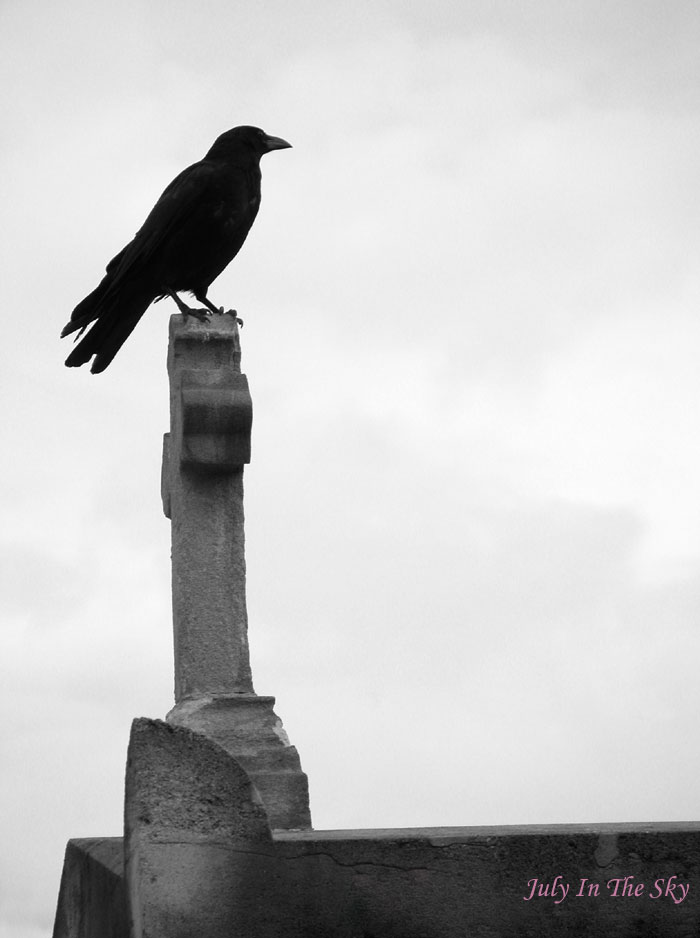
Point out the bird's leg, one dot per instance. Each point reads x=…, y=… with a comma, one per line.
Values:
x=219, y=310
x=201, y=314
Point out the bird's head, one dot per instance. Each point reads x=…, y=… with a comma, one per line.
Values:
x=245, y=140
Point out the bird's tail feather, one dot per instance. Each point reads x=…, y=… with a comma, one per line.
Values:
x=116, y=318
x=87, y=310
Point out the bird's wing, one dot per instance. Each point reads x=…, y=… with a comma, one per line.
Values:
x=172, y=210
x=188, y=203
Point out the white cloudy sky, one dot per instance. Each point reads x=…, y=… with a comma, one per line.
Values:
x=471, y=303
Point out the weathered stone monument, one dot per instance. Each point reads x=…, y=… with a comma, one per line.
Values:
x=211, y=416
x=217, y=831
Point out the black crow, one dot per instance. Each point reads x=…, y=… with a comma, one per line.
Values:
x=194, y=231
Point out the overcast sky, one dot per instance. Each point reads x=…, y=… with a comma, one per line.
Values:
x=472, y=338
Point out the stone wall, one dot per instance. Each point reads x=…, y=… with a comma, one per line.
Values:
x=201, y=861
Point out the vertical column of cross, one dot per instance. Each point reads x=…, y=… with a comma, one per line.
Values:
x=202, y=486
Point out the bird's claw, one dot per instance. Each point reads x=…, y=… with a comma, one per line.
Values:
x=232, y=312
x=229, y=312
x=203, y=315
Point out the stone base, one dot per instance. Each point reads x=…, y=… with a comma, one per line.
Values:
x=246, y=726
x=200, y=860
x=92, y=896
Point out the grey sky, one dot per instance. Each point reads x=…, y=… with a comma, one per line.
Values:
x=471, y=307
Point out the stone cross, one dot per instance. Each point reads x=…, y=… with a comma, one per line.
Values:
x=211, y=415
x=202, y=489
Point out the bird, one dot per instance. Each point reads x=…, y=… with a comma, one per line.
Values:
x=193, y=232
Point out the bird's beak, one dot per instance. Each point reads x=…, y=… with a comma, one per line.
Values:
x=276, y=143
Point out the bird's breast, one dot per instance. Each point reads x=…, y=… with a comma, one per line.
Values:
x=230, y=210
